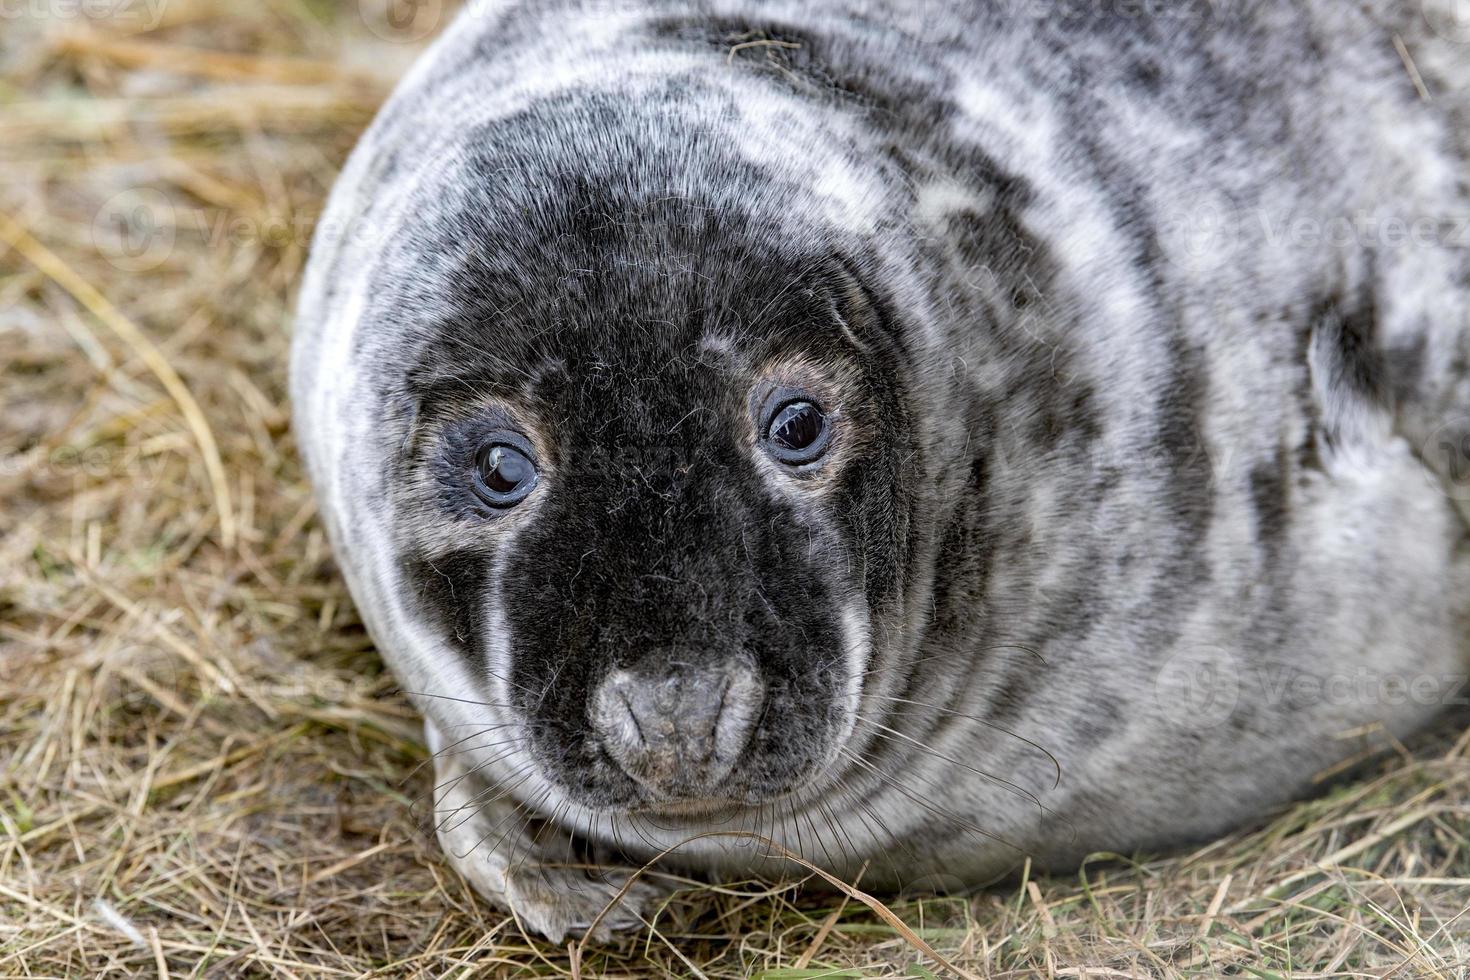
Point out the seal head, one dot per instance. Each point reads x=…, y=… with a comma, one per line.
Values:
x=649, y=462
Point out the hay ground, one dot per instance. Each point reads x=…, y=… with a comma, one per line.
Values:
x=204, y=770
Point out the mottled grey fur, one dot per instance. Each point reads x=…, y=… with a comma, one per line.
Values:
x=1150, y=324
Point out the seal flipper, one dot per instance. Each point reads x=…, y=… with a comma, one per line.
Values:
x=520, y=864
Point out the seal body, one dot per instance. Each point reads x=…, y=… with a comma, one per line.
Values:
x=1131, y=344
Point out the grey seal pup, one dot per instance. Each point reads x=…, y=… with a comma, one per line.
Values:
x=923, y=436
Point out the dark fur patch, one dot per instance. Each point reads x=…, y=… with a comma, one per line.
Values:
x=449, y=590
x=1350, y=327
x=1191, y=483
x=1270, y=495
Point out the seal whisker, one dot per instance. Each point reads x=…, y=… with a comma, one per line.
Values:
x=444, y=751
x=492, y=794
x=894, y=735
x=451, y=783
x=890, y=735
x=443, y=755
x=938, y=811
x=1056, y=763
x=795, y=826
x=511, y=817
x=865, y=807
x=820, y=838
x=514, y=822
x=458, y=747
x=839, y=832
x=950, y=654
x=646, y=833
x=448, y=697
x=544, y=824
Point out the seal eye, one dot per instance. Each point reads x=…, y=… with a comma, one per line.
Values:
x=797, y=431
x=504, y=473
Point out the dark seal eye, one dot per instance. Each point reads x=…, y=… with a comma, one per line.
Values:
x=504, y=471
x=796, y=431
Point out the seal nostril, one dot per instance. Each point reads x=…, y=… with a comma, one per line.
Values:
x=679, y=731
x=627, y=717
x=740, y=701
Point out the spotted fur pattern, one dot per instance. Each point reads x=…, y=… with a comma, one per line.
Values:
x=1145, y=328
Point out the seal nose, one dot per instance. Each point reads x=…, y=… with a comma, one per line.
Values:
x=677, y=732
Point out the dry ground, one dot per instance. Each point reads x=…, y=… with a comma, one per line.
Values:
x=204, y=769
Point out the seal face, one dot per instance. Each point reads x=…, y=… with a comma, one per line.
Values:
x=800, y=421
x=643, y=450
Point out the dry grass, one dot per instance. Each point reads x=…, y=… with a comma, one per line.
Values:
x=204, y=769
